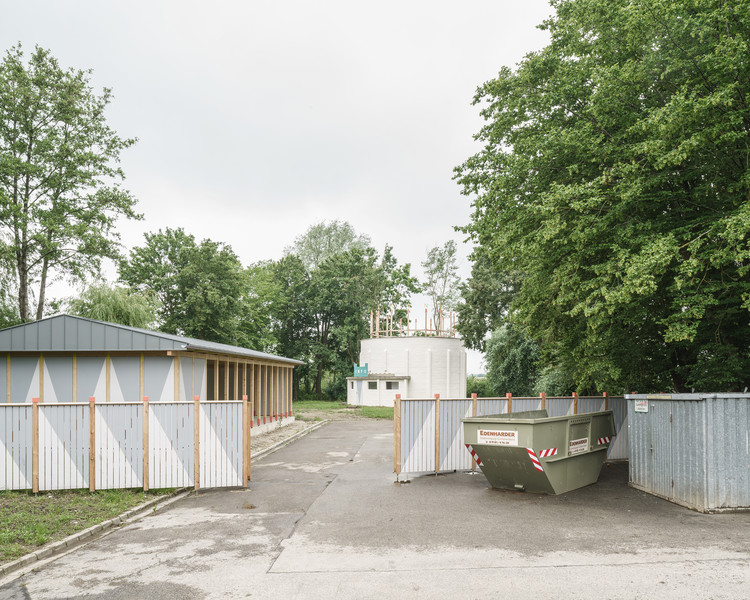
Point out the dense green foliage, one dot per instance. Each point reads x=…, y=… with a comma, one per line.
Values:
x=59, y=192
x=115, y=304
x=201, y=287
x=512, y=362
x=613, y=191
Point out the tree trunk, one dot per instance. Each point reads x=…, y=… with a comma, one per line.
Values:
x=42, y=290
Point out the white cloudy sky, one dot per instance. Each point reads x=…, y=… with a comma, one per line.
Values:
x=257, y=119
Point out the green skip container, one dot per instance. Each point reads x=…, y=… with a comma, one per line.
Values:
x=532, y=452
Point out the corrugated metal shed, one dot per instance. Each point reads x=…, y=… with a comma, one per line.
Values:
x=66, y=333
x=692, y=449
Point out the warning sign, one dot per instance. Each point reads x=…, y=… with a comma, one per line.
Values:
x=576, y=446
x=497, y=437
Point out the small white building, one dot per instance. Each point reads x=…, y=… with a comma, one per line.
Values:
x=413, y=366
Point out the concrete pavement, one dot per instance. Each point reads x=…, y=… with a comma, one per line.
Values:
x=324, y=518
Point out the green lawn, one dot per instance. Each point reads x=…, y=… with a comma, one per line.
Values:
x=29, y=521
x=316, y=410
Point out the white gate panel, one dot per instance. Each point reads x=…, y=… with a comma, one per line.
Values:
x=15, y=447
x=119, y=446
x=221, y=444
x=453, y=453
x=171, y=444
x=63, y=446
x=417, y=435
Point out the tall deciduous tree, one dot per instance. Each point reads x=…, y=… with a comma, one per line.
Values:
x=614, y=182
x=323, y=240
x=59, y=181
x=201, y=287
x=441, y=282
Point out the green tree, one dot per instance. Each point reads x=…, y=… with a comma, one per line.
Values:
x=614, y=185
x=115, y=304
x=201, y=288
x=512, y=362
x=59, y=191
x=441, y=282
x=323, y=240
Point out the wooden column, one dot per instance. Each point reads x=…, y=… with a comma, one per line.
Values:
x=236, y=381
x=226, y=380
x=108, y=377
x=197, y=441
x=41, y=378
x=266, y=393
x=543, y=396
x=75, y=377
x=606, y=400
x=437, y=432
x=145, y=443
x=473, y=414
x=217, y=370
x=92, y=443
x=397, y=435
x=575, y=403
x=509, y=396
x=176, y=364
x=35, y=445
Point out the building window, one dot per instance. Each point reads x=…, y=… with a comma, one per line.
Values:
x=352, y=385
x=391, y=385
x=372, y=385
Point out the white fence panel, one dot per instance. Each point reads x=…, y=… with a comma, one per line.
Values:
x=119, y=446
x=171, y=438
x=559, y=407
x=221, y=444
x=525, y=404
x=417, y=435
x=15, y=447
x=491, y=406
x=453, y=453
x=63, y=446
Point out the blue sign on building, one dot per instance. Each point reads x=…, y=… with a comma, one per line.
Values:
x=360, y=371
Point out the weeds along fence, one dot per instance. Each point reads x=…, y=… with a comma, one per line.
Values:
x=60, y=446
x=428, y=436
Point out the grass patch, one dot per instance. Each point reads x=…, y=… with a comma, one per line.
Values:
x=316, y=410
x=29, y=521
x=376, y=412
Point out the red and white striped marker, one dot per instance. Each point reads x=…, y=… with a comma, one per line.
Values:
x=474, y=454
x=534, y=460
x=548, y=452
x=604, y=440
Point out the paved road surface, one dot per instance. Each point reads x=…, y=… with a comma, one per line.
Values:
x=324, y=518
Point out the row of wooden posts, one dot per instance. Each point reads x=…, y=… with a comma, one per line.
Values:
x=509, y=398
x=247, y=416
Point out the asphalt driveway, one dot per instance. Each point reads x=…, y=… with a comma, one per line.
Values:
x=324, y=518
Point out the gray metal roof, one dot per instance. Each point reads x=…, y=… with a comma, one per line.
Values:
x=66, y=333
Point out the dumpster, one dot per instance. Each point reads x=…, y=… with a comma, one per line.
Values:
x=532, y=452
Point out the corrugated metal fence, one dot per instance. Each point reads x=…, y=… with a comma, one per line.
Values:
x=124, y=445
x=428, y=436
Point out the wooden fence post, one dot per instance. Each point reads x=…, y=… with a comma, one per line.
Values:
x=245, y=441
x=473, y=414
x=575, y=403
x=543, y=396
x=196, y=441
x=509, y=396
x=437, y=433
x=92, y=443
x=397, y=435
x=606, y=400
x=145, y=443
x=35, y=445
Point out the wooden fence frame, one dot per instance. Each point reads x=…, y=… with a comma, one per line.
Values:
x=247, y=415
x=542, y=398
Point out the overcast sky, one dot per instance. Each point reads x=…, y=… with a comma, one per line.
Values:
x=257, y=119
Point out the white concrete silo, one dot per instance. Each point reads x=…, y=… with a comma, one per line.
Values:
x=413, y=366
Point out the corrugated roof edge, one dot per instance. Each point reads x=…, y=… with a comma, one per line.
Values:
x=187, y=342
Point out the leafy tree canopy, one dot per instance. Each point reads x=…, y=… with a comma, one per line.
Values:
x=324, y=240
x=59, y=181
x=115, y=304
x=613, y=187
x=441, y=282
